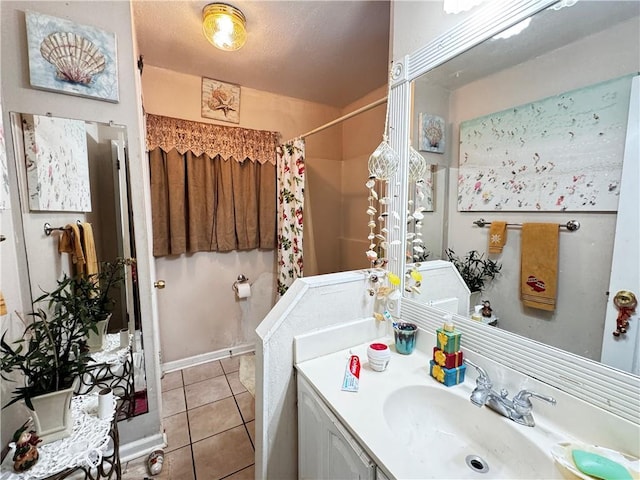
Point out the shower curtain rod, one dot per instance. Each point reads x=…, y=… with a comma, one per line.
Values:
x=345, y=117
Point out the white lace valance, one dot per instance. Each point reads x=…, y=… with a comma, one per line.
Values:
x=197, y=137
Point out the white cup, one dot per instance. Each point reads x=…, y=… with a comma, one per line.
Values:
x=379, y=356
x=105, y=403
x=124, y=338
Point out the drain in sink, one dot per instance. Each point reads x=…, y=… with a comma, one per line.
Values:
x=477, y=464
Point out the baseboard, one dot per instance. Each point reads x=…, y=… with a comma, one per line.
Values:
x=142, y=447
x=207, y=357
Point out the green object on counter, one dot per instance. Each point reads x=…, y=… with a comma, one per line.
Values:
x=599, y=466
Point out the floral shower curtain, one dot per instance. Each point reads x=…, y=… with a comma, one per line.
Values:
x=290, y=165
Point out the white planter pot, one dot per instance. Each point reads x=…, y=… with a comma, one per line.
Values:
x=95, y=341
x=52, y=414
x=474, y=299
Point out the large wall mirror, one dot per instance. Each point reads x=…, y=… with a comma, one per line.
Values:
x=60, y=162
x=558, y=49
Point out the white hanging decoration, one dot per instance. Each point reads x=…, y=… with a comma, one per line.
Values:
x=417, y=169
x=383, y=162
x=417, y=165
x=376, y=240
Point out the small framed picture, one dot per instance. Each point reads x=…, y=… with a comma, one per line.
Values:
x=70, y=58
x=220, y=100
x=431, y=136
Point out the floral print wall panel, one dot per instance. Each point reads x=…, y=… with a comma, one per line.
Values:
x=562, y=153
x=57, y=164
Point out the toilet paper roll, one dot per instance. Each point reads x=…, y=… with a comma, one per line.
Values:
x=244, y=290
x=105, y=403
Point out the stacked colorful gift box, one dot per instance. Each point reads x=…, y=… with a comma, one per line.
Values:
x=447, y=365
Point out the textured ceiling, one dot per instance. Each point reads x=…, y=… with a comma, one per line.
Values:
x=331, y=52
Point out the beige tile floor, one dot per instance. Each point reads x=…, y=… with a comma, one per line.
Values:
x=209, y=419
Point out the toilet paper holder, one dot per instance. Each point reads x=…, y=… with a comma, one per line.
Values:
x=241, y=279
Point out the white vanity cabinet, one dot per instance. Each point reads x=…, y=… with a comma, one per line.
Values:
x=326, y=450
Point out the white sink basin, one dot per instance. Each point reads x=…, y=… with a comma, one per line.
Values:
x=469, y=442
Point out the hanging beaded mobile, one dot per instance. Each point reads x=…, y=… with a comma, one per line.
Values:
x=383, y=164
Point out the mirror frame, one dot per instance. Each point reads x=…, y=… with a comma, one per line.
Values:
x=577, y=376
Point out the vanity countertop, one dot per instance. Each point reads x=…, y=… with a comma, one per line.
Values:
x=362, y=412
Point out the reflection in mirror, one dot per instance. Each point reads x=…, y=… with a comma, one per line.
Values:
x=59, y=162
x=429, y=111
x=559, y=51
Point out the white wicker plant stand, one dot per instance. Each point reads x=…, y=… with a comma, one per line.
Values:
x=90, y=453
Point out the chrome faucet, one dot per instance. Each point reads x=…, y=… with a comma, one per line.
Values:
x=519, y=409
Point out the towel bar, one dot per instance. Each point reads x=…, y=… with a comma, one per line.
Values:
x=571, y=225
x=48, y=229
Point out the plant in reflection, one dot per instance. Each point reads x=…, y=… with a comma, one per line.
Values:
x=89, y=297
x=474, y=268
x=97, y=289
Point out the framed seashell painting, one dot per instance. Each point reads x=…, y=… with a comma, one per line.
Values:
x=220, y=100
x=70, y=58
x=431, y=136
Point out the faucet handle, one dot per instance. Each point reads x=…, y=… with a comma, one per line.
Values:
x=483, y=377
x=522, y=402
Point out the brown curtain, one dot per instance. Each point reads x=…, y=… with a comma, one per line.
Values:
x=204, y=203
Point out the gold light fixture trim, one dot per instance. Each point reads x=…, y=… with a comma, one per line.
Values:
x=224, y=26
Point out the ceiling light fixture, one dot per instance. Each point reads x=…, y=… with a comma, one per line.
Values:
x=224, y=26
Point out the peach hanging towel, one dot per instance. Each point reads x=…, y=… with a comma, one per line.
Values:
x=497, y=236
x=539, y=265
x=89, y=248
x=3, y=305
x=70, y=242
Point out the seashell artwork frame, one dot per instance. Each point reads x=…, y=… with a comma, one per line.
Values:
x=71, y=58
x=220, y=100
x=431, y=137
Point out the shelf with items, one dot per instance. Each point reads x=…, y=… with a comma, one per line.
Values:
x=112, y=367
x=90, y=453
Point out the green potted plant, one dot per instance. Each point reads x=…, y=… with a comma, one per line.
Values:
x=50, y=356
x=95, y=294
x=55, y=348
x=474, y=268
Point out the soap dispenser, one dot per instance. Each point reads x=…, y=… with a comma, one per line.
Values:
x=447, y=364
x=477, y=313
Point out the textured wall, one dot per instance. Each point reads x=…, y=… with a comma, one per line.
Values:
x=200, y=284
